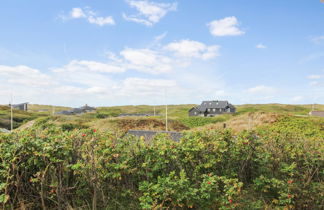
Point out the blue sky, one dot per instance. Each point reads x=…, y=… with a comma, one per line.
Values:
x=117, y=52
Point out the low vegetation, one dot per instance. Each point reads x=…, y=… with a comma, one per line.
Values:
x=267, y=157
x=276, y=166
x=19, y=117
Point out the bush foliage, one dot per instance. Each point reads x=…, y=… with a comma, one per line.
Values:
x=275, y=167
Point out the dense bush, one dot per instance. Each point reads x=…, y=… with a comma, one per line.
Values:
x=72, y=126
x=274, y=167
x=101, y=115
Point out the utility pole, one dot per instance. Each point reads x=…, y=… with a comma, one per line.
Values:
x=166, y=117
x=154, y=110
x=11, y=114
x=249, y=123
x=166, y=111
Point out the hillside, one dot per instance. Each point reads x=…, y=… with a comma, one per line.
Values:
x=247, y=117
x=21, y=117
x=278, y=165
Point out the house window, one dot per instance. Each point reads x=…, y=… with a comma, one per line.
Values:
x=208, y=110
x=214, y=110
x=195, y=112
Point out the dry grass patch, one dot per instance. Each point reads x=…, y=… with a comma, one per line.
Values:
x=121, y=125
x=244, y=122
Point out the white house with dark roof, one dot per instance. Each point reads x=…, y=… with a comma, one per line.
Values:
x=212, y=108
x=22, y=106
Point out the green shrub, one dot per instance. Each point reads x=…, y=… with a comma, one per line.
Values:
x=276, y=167
x=101, y=115
x=193, y=122
x=72, y=126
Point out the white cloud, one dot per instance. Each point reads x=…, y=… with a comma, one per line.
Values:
x=77, y=13
x=314, y=76
x=297, y=98
x=101, y=21
x=97, y=90
x=146, y=87
x=114, y=81
x=193, y=49
x=24, y=75
x=225, y=27
x=318, y=39
x=261, y=46
x=90, y=66
x=89, y=15
x=155, y=59
x=261, y=89
x=146, y=60
x=316, y=83
x=160, y=37
x=149, y=13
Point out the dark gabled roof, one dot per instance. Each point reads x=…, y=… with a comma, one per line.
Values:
x=77, y=110
x=231, y=106
x=17, y=105
x=213, y=105
x=194, y=108
x=65, y=112
x=80, y=110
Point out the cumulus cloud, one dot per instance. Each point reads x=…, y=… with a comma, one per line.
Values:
x=318, y=39
x=315, y=76
x=114, y=80
x=147, y=87
x=225, y=27
x=90, y=16
x=261, y=89
x=154, y=60
x=101, y=21
x=159, y=60
x=146, y=60
x=90, y=66
x=261, y=46
x=24, y=75
x=193, y=49
x=77, y=13
x=149, y=13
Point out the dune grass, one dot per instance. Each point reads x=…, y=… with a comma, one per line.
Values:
x=106, y=118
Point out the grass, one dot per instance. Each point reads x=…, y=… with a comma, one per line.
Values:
x=105, y=118
x=174, y=111
x=47, y=109
x=246, y=121
x=19, y=117
x=278, y=108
